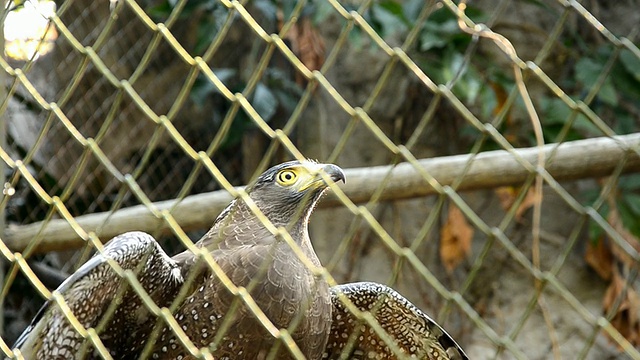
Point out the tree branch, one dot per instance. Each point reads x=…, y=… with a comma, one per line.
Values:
x=572, y=160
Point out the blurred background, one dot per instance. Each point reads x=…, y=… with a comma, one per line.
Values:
x=438, y=108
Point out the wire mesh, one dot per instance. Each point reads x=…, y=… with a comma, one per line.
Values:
x=493, y=148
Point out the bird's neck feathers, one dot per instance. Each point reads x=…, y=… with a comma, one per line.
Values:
x=238, y=218
x=291, y=216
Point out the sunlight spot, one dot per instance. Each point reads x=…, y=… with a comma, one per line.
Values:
x=27, y=31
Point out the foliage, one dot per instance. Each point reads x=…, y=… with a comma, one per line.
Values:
x=276, y=93
x=618, y=99
x=441, y=52
x=605, y=77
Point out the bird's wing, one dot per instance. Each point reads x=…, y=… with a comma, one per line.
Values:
x=414, y=332
x=89, y=291
x=82, y=271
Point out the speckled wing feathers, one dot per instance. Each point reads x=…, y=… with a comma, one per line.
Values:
x=90, y=291
x=415, y=333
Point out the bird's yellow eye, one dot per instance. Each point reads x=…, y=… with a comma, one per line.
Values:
x=287, y=177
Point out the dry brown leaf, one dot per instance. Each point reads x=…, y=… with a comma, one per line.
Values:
x=307, y=44
x=600, y=258
x=455, y=239
x=625, y=318
x=616, y=223
x=507, y=196
x=528, y=201
x=501, y=96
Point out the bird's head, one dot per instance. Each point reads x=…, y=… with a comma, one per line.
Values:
x=287, y=193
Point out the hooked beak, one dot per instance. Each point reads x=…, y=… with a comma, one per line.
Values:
x=334, y=172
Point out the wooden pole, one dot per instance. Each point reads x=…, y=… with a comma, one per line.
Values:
x=572, y=160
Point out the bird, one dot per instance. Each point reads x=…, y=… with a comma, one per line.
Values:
x=290, y=295
x=286, y=290
x=91, y=290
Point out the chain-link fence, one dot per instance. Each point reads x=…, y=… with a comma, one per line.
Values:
x=489, y=148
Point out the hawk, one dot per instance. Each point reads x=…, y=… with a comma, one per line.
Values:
x=279, y=281
x=278, y=278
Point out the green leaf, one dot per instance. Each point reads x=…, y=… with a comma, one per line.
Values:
x=588, y=71
x=590, y=196
x=631, y=63
x=286, y=91
x=287, y=8
x=268, y=8
x=322, y=10
x=393, y=7
x=438, y=34
x=207, y=31
x=629, y=218
x=625, y=123
x=626, y=85
x=355, y=38
x=608, y=93
x=633, y=202
x=556, y=114
x=264, y=102
x=387, y=18
x=595, y=230
x=488, y=102
x=161, y=11
x=431, y=40
x=238, y=127
x=203, y=88
x=555, y=111
x=629, y=182
x=468, y=83
x=411, y=9
x=473, y=85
